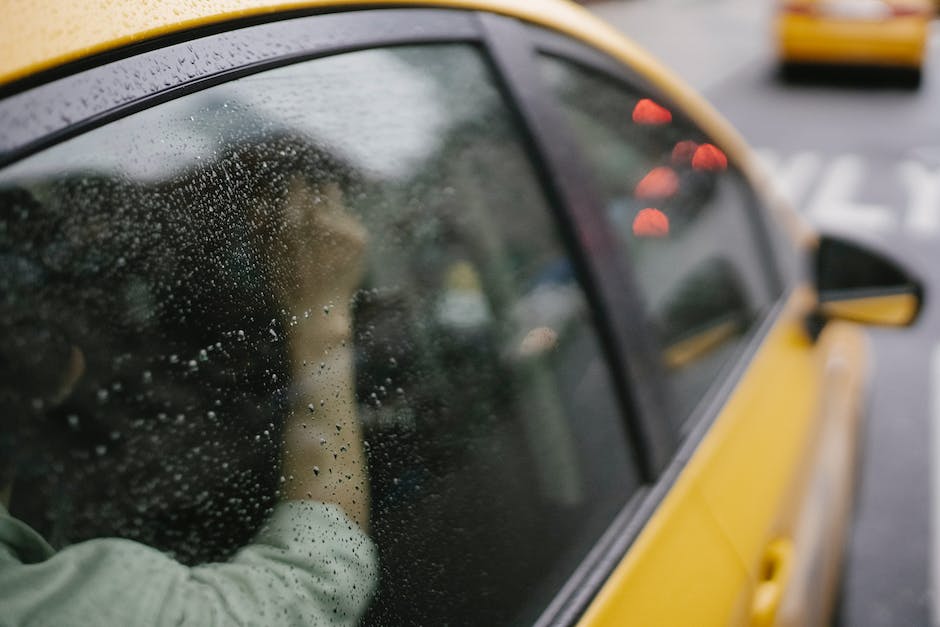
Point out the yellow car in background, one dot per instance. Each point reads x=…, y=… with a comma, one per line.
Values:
x=408, y=312
x=879, y=33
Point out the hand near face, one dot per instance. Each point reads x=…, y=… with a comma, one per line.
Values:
x=323, y=256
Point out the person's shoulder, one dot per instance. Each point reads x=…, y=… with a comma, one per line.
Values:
x=21, y=543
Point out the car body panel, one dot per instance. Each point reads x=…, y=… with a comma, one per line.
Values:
x=764, y=471
x=891, y=309
x=750, y=480
x=812, y=36
x=827, y=484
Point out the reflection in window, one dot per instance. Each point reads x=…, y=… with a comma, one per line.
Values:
x=312, y=336
x=683, y=217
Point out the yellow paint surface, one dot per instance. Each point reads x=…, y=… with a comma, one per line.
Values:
x=746, y=488
x=805, y=38
x=890, y=309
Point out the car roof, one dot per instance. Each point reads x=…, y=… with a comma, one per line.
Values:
x=38, y=35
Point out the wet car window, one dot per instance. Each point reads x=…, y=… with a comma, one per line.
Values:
x=682, y=214
x=337, y=284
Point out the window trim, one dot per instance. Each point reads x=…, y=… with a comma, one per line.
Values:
x=614, y=295
x=52, y=112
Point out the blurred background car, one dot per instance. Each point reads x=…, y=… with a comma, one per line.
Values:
x=876, y=33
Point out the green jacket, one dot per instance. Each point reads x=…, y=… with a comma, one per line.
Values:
x=310, y=565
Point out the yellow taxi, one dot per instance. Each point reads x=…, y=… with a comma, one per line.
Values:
x=414, y=312
x=879, y=33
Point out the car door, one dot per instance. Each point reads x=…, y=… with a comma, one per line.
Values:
x=766, y=415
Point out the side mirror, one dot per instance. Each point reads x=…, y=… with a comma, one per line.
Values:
x=858, y=284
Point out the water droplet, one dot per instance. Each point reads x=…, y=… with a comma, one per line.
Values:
x=316, y=471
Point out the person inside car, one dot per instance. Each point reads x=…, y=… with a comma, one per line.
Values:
x=135, y=530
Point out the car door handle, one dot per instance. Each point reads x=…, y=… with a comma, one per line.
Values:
x=772, y=582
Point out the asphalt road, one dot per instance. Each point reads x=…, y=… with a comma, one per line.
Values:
x=860, y=159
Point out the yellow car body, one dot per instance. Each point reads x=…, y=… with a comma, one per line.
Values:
x=754, y=512
x=892, y=35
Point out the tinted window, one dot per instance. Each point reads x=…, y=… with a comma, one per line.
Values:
x=684, y=217
x=336, y=282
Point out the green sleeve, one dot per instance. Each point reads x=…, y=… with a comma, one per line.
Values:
x=310, y=565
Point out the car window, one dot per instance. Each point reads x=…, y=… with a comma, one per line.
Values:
x=337, y=281
x=685, y=219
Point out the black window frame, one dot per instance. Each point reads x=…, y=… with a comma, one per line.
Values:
x=517, y=46
x=759, y=221
x=53, y=106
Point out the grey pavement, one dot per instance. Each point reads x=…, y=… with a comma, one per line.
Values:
x=704, y=41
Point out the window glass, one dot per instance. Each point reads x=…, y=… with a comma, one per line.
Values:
x=310, y=342
x=684, y=217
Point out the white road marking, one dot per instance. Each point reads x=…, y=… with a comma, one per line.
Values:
x=833, y=205
x=923, y=189
x=826, y=191
x=793, y=175
x=934, y=583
